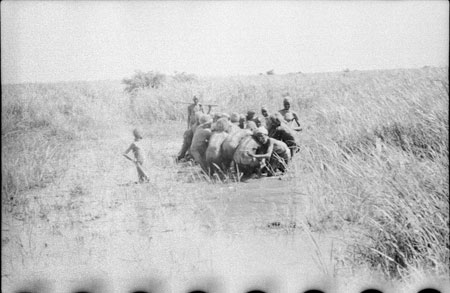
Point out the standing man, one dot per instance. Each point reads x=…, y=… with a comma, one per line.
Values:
x=192, y=110
x=139, y=155
x=287, y=110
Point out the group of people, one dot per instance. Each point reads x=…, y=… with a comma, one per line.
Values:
x=256, y=145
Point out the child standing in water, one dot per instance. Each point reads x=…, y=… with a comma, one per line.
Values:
x=138, y=152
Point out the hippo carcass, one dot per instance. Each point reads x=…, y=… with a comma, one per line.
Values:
x=241, y=157
x=214, y=152
x=199, y=145
x=230, y=145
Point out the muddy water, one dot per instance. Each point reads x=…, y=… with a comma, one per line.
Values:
x=233, y=238
x=92, y=231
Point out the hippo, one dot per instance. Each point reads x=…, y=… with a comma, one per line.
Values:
x=230, y=145
x=187, y=137
x=200, y=141
x=246, y=163
x=213, y=154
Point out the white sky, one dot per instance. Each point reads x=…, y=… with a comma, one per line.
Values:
x=86, y=40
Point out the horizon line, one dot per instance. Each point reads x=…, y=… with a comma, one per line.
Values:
x=209, y=76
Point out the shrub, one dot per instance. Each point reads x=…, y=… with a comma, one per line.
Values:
x=143, y=80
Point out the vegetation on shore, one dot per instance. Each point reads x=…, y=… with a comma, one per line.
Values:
x=374, y=150
x=41, y=124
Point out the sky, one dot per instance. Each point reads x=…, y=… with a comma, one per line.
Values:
x=100, y=40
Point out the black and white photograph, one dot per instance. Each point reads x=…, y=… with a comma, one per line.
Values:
x=225, y=146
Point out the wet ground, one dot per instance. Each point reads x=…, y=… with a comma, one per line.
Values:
x=94, y=230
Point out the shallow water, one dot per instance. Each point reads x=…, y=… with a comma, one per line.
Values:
x=92, y=230
x=120, y=237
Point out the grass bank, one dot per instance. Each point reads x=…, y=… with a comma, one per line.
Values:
x=42, y=123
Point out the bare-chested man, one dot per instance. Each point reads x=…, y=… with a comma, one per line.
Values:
x=287, y=113
x=276, y=152
x=192, y=110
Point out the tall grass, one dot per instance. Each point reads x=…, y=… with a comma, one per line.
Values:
x=42, y=122
x=374, y=154
x=379, y=161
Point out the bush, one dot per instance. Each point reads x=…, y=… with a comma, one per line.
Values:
x=143, y=80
